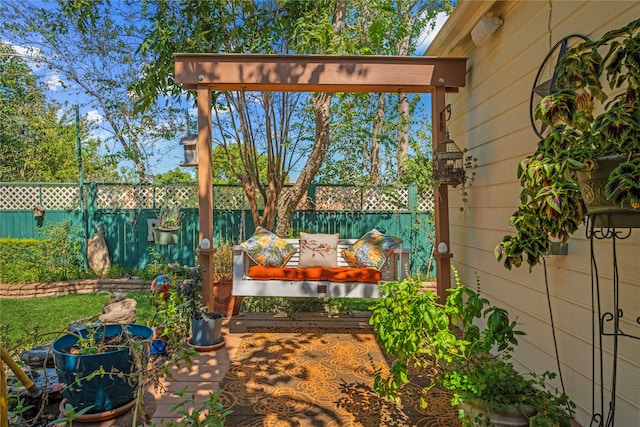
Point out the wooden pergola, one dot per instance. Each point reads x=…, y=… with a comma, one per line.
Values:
x=205, y=73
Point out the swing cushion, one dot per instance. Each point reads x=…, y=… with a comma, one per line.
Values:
x=267, y=249
x=371, y=250
x=331, y=274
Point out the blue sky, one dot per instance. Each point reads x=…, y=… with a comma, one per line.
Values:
x=170, y=153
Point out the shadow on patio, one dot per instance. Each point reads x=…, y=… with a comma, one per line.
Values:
x=313, y=370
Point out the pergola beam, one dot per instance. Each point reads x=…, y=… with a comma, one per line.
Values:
x=319, y=73
x=315, y=73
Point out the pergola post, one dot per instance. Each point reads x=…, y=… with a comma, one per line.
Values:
x=205, y=191
x=441, y=198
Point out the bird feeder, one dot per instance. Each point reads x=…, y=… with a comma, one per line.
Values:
x=38, y=211
x=448, y=163
x=190, y=144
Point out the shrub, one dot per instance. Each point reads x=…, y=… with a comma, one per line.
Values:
x=57, y=256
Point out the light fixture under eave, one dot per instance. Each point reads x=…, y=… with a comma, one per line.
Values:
x=190, y=144
x=485, y=28
x=448, y=165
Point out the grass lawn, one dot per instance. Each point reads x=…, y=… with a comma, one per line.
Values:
x=52, y=315
x=19, y=317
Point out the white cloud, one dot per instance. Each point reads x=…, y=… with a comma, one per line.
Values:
x=94, y=117
x=28, y=52
x=33, y=57
x=52, y=81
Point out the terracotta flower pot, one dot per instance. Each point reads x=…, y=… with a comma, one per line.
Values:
x=223, y=301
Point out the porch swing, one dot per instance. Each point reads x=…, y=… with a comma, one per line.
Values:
x=204, y=73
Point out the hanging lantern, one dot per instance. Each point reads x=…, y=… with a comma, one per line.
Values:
x=448, y=163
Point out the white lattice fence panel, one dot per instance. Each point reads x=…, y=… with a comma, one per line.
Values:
x=338, y=198
x=230, y=198
x=177, y=196
x=125, y=196
x=50, y=197
x=425, y=202
x=60, y=197
x=186, y=196
x=385, y=199
x=144, y=196
x=19, y=197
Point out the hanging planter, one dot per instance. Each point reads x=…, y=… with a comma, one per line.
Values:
x=166, y=236
x=605, y=212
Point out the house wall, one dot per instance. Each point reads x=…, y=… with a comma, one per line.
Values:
x=490, y=117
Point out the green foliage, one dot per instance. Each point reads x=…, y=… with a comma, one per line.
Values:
x=56, y=257
x=38, y=137
x=624, y=183
x=91, y=48
x=21, y=260
x=64, y=243
x=26, y=322
x=71, y=415
x=209, y=413
x=222, y=262
x=417, y=331
x=226, y=164
x=173, y=176
x=552, y=203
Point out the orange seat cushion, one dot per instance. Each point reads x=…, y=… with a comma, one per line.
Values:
x=333, y=274
x=347, y=274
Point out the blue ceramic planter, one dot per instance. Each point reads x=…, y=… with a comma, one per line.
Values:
x=104, y=392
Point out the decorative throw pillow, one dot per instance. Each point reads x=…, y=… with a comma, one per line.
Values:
x=371, y=250
x=267, y=249
x=318, y=250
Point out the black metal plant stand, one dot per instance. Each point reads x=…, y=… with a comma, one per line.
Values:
x=605, y=323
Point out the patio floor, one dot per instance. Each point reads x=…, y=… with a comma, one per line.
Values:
x=209, y=368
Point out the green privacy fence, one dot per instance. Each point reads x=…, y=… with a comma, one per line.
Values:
x=127, y=213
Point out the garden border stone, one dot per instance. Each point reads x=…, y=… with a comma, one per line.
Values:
x=71, y=287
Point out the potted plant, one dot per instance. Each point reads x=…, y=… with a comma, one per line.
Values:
x=222, y=278
x=206, y=327
x=99, y=366
x=171, y=320
x=593, y=144
x=167, y=226
x=472, y=363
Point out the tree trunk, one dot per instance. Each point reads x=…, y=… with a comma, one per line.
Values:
x=403, y=110
x=375, y=143
x=403, y=134
x=321, y=103
x=289, y=200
